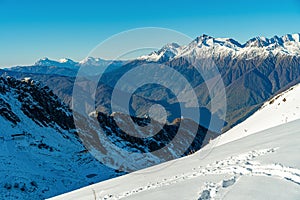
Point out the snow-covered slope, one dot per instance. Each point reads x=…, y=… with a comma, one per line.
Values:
x=264, y=165
x=40, y=154
x=283, y=108
x=260, y=165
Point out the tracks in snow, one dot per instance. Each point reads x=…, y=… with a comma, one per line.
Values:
x=210, y=190
x=237, y=166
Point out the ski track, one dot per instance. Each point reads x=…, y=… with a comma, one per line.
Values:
x=240, y=165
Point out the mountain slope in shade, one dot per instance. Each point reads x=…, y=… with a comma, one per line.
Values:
x=263, y=165
x=140, y=142
x=41, y=155
x=252, y=72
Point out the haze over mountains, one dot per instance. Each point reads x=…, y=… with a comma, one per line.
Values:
x=68, y=67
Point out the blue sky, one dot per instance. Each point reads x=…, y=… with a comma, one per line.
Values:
x=32, y=29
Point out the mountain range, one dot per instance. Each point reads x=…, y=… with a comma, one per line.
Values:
x=251, y=73
x=215, y=47
x=68, y=67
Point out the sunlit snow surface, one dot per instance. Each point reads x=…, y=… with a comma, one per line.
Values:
x=281, y=109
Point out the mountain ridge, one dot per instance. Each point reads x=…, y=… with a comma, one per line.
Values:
x=206, y=40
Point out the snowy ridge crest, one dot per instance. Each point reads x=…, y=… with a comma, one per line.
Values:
x=206, y=45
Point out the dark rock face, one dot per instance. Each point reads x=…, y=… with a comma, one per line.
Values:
x=164, y=136
x=6, y=112
x=117, y=140
x=38, y=103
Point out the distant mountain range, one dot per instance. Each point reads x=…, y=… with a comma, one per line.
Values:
x=252, y=73
x=204, y=45
x=68, y=67
x=221, y=47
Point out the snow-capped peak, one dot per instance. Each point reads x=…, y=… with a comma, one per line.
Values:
x=209, y=41
x=46, y=62
x=279, y=41
x=203, y=39
x=171, y=46
x=91, y=61
x=207, y=46
x=43, y=61
x=291, y=37
x=66, y=60
x=257, y=42
x=164, y=54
